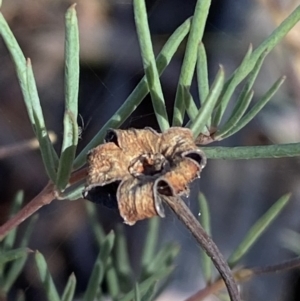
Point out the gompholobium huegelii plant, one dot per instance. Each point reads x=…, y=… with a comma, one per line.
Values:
x=137, y=172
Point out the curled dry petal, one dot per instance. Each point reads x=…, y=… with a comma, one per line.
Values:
x=138, y=200
x=182, y=173
x=175, y=141
x=135, y=141
x=107, y=163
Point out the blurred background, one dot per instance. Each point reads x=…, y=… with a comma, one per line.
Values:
x=239, y=192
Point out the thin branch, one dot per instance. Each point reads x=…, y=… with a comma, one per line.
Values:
x=245, y=274
x=45, y=197
x=184, y=214
x=15, y=149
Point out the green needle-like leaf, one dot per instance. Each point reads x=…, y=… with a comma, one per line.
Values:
x=122, y=262
x=207, y=108
x=256, y=108
x=164, y=258
x=137, y=295
x=18, y=265
x=139, y=93
x=257, y=229
x=70, y=139
x=151, y=72
x=92, y=217
x=9, y=239
x=49, y=286
x=190, y=104
x=229, y=88
x=73, y=193
x=149, y=294
x=112, y=279
x=205, y=222
x=49, y=155
x=202, y=73
x=12, y=255
x=146, y=284
x=253, y=152
x=68, y=150
x=19, y=62
x=243, y=100
x=190, y=58
x=69, y=290
x=102, y=262
x=238, y=111
x=94, y=282
x=150, y=244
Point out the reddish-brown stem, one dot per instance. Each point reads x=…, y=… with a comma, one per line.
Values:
x=78, y=175
x=185, y=215
x=45, y=197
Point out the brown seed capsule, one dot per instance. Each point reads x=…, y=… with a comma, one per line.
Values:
x=143, y=166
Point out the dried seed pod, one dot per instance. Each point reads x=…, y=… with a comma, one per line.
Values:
x=136, y=168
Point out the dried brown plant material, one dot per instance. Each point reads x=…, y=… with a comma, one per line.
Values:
x=136, y=168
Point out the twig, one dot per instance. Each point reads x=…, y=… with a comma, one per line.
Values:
x=245, y=274
x=15, y=149
x=45, y=197
x=185, y=215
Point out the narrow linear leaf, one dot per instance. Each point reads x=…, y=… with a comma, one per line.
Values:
x=45, y=276
x=291, y=241
x=12, y=255
x=150, y=243
x=229, y=88
x=19, y=62
x=106, y=247
x=190, y=104
x=238, y=112
x=205, y=222
x=92, y=217
x=253, y=152
x=151, y=72
x=68, y=150
x=74, y=193
x=149, y=294
x=257, y=229
x=202, y=73
x=71, y=61
x=139, y=93
x=70, y=139
x=256, y=108
x=253, y=75
x=164, y=258
x=48, y=153
x=94, y=281
x=69, y=290
x=122, y=259
x=146, y=284
x=10, y=238
x=112, y=280
x=101, y=264
x=190, y=58
x=137, y=295
x=206, y=110
x=18, y=265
